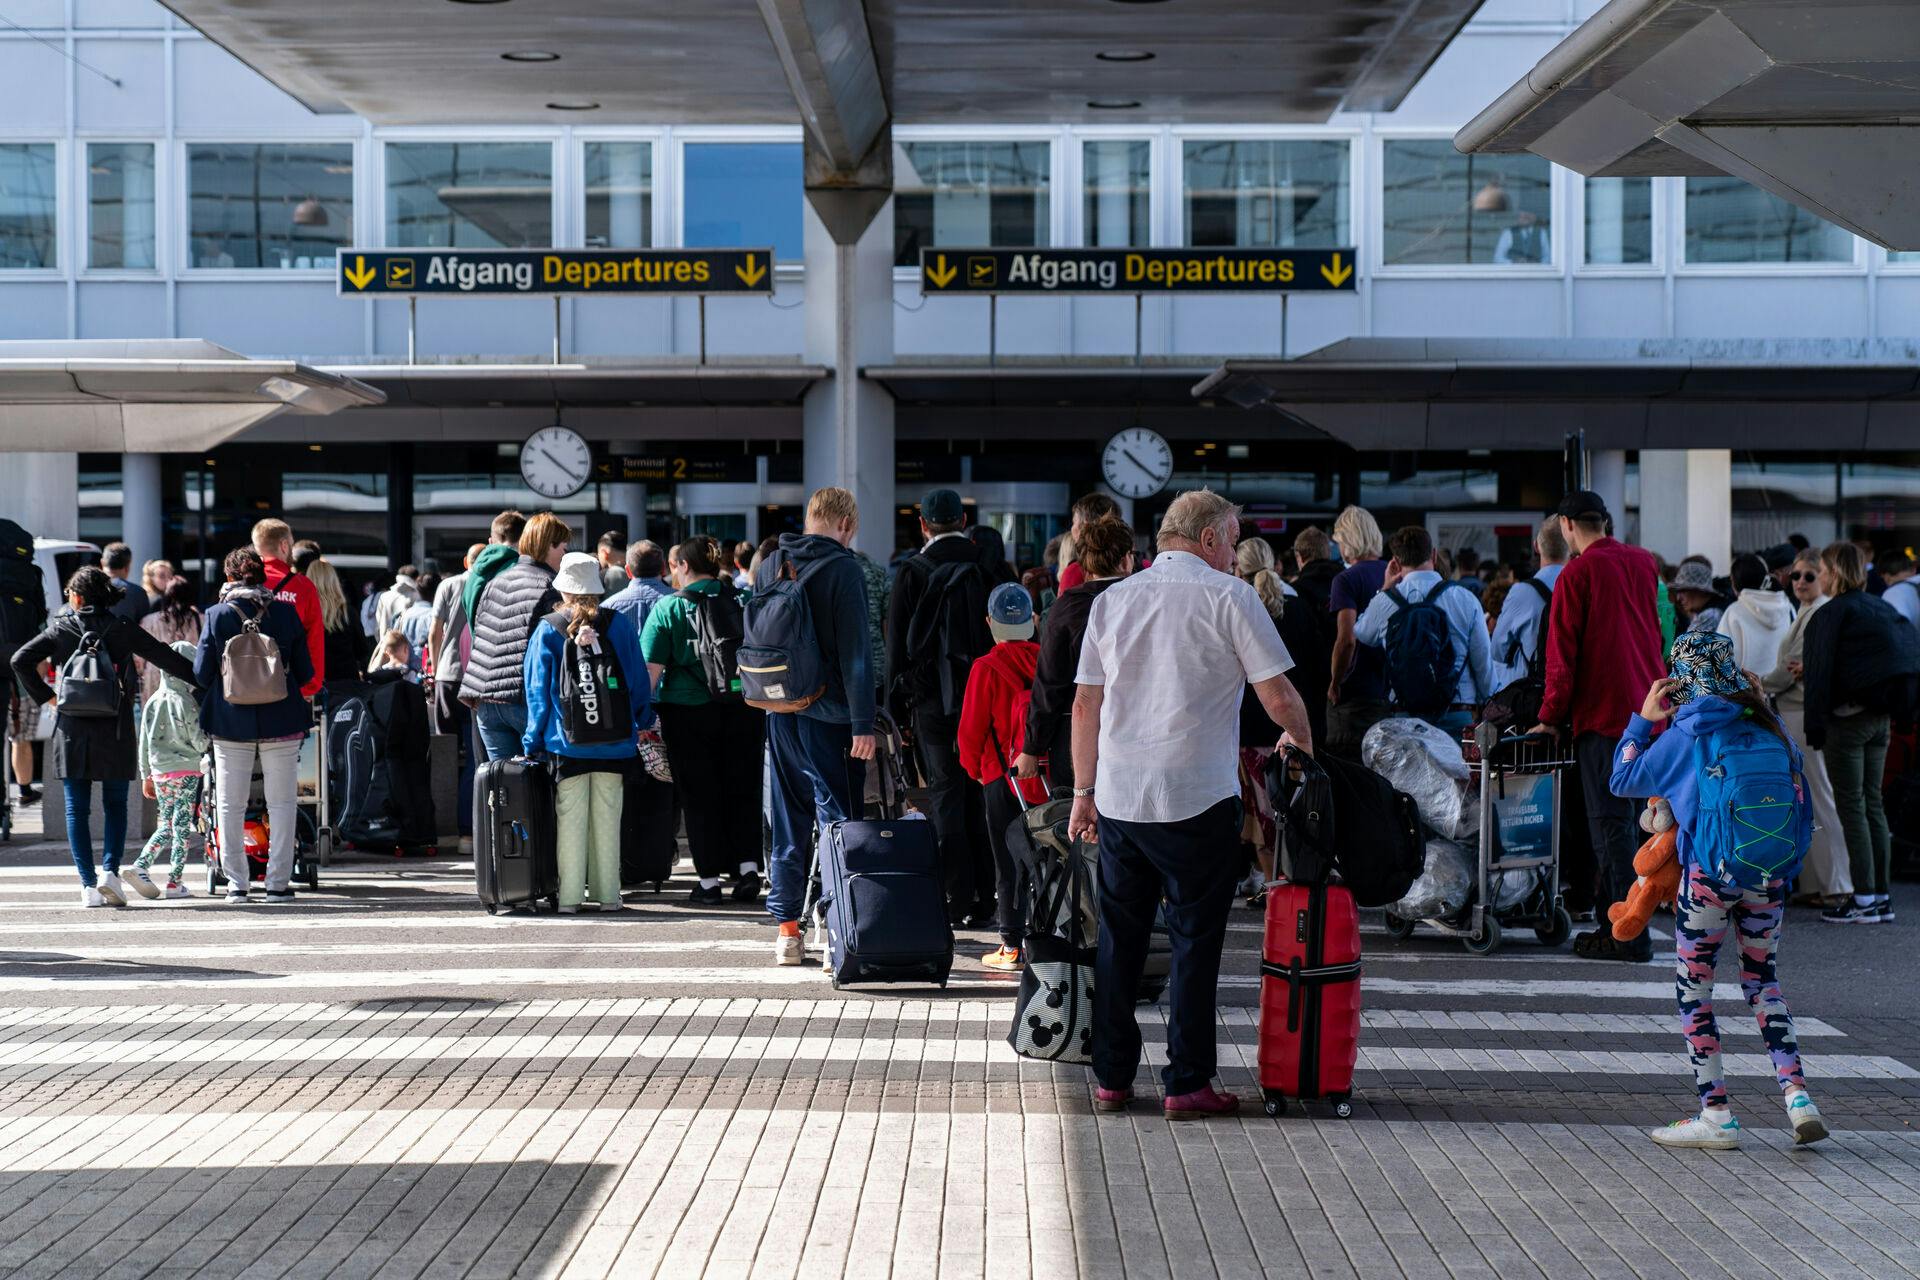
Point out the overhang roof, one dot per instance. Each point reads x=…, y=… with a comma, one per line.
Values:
x=590, y=382
x=1040, y=381
x=153, y=395
x=1815, y=102
x=1412, y=393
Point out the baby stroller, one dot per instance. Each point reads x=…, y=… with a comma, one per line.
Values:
x=309, y=839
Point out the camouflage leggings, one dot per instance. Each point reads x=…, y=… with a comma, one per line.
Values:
x=1706, y=911
x=176, y=798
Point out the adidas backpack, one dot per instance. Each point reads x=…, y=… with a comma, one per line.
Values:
x=1754, y=820
x=1422, y=669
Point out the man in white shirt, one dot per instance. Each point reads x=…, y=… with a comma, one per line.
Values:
x=1167, y=657
x=1903, y=589
x=1412, y=577
x=1523, y=618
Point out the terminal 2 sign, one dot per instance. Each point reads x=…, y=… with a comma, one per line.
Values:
x=551, y=272
x=1135, y=271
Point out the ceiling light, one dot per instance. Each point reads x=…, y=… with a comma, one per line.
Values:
x=573, y=106
x=1124, y=55
x=1113, y=104
x=530, y=55
x=504, y=1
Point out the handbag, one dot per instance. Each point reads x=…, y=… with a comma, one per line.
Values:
x=1303, y=811
x=1053, y=1015
x=653, y=756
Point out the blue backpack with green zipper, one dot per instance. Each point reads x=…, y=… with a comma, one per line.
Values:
x=1754, y=819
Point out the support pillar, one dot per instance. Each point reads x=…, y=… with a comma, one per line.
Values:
x=1608, y=476
x=399, y=505
x=1686, y=504
x=627, y=503
x=142, y=524
x=41, y=491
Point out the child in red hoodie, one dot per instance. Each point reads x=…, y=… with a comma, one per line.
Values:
x=993, y=720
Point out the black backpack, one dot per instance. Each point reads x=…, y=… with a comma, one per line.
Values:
x=1422, y=669
x=719, y=629
x=1517, y=707
x=1345, y=817
x=945, y=633
x=594, y=703
x=23, y=590
x=91, y=685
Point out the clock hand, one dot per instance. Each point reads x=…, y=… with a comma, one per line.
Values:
x=1128, y=455
x=555, y=461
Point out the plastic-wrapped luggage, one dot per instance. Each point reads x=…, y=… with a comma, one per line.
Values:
x=1428, y=765
x=1445, y=886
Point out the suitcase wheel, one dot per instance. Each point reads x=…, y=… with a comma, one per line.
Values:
x=1276, y=1104
x=1343, y=1108
x=1397, y=929
x=493, y=908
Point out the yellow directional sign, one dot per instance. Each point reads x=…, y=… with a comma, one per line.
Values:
x=1335, y=274
x=532, y=272
x=400, y=273
x=941, y=274
x=359, y=275
x=1129, y=271
x=750, y=274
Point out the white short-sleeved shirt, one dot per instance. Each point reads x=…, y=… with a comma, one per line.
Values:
x=1174, y=647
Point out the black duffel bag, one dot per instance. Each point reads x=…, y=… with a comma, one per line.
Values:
x=1339, y=816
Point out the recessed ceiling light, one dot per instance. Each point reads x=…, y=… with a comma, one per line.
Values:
x=1113, y=104
x=504, y=1
x=530, y=55
x=1124, y=55
x=573, y=106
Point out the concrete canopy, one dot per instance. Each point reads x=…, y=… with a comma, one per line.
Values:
x=1815, y=102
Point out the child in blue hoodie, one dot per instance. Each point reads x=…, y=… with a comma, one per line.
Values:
x=1705, y=691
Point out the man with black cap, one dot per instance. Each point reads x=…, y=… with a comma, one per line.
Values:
x=936, y=627
x=1603, y=650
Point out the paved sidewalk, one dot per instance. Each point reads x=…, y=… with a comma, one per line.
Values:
x=382, y=1080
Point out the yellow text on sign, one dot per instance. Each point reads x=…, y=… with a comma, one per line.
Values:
x=591, y=275
x=1171, y=273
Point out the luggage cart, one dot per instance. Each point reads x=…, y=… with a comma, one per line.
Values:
x=1510, y=768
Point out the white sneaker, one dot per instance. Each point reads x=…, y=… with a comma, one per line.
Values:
x=114, y=890
x=177, y=890
x=788, y=949
x=1700, y=1132
x=1807, y=1124
x=142, y=884
x=90, y=897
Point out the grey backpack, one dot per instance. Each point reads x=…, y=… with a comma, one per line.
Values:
x=252, y=672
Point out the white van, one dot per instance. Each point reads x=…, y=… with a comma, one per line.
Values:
x=57, y=561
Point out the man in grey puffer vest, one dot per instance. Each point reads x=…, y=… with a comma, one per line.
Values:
x=503, y=620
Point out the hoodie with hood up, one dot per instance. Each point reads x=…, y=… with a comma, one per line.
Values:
x=171, y=739
x=836, y=593
x=1645, y=766
x=992, y=719
x=1758, y=621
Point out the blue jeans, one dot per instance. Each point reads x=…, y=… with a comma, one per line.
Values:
x=812, y=780
x=113, y=797
x=501, y=726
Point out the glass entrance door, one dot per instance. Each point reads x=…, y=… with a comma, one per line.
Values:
x=442, y=541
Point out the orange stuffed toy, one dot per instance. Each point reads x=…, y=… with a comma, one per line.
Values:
x=1658, y=867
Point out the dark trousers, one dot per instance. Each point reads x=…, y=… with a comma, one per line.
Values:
x=1194, y=863
x=1010, y=885
x=1348, y=722
x=959, y=813
x=1611, y=822
x=711, y=747
x=811, y=779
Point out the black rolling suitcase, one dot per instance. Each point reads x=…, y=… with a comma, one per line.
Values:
x=514, y=835
x=647, y=819
x=886, y=910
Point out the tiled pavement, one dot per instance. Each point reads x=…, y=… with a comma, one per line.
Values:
x=382, y=1080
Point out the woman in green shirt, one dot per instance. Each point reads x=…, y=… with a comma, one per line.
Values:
x=712, y=737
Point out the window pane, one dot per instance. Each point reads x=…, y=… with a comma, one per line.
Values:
x=1729, y=221
x=1443, y=207
x=120, y=205
x=1117, y=177
x=27, y=206
x=470, y=195
x=1619, y=220
x=742, y=194
x=619, y=181
x=1270, y=194
x=279, y=205
x=969, y=193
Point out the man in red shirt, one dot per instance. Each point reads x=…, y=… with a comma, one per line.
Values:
x=1603, y=650
x=273, y=539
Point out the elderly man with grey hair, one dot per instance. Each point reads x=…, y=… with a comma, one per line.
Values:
x=1167, y=657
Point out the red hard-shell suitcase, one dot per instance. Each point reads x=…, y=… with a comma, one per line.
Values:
x=1309, y=996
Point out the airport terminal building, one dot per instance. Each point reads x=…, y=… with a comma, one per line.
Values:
x=175, y=197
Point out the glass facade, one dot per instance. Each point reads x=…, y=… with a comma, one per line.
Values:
x=1730, y=221
x=1116, y=177
x=28, y=206
x=120, y=206
x=273, y=205
x=1619, y=221
x=469, y=195
x=742, y=194
x=970, y=193
x=1443, y=208
x=618, y=177
x=1267, y=193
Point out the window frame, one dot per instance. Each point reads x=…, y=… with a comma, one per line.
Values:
x=1659, y=196
x=670, y=169
x=63, y=220
x=1073, y=170
x=180, y=241
x=1359, y=201
x=574, y=233
x=1375, y=253
x=83, y=210
x=1055, y=136
x=1854, y=266
x=562, y=174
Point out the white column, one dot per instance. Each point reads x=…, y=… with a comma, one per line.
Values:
x=41, y=491
x=847, y=421
x=627, y=503
x=142, y=524
x=1686, y=504
x=1608, y=477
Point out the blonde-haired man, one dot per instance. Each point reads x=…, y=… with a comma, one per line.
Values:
x=273, y=539
x=818, y=756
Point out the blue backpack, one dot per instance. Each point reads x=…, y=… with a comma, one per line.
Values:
x=1421, y=668
x=1754, y=819
x=779, y=657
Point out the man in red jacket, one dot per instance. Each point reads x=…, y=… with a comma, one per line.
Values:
x=273, y=539
x=1603, y=645
x=993, y=719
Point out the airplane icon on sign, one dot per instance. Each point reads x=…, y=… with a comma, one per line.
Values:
x=400, y=273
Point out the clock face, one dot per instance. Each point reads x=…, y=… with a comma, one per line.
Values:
x=1137, y=463
x=556, y=462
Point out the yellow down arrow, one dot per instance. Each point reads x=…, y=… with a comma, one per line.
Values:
x=1336, y=274
x=751, y=274
x=360, y=275
x=941, y=274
